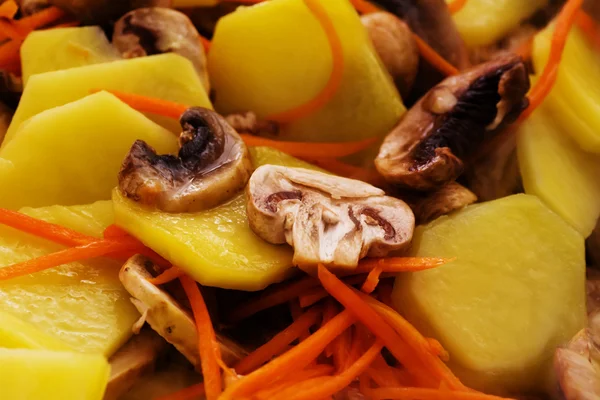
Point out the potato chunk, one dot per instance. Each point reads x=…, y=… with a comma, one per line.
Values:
x=82, y=304
x=165, y=76
x=515, y=292
x=260, y=49
x=56, y=49
x=216, y=247
x=52, y=375
x=72, y=154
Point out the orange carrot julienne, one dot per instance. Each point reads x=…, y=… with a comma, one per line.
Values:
x=372, y=279
x=279, y=342
x=149, y=104
x=380, y=372
x=115, y=232
x=329, y=311
x=39, y=19
x=314, y=295
x=341, y=349
x=564, y=22
x=8, y=30
x=311, y=372
x=364, y=7
x=79, y=253
x=188, y=393
x=291, y=361
x=8, y=9
x=437, y=349
x=207, y=341
x=9, y=54
x=456, y=6
x=400, y=264
x=433, y=58
x=296, y=312
x=167, y=276
x=337, y=69
x=410, y=393
x=589, y=27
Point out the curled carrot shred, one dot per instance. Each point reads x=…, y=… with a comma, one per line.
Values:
x=433, y=58
x=372, y=279
x=337, y=69
x=167, y=276
x=209, y=348
x=148, y=104
x=188, y=393
x=39, y=19
x=308, y=373
x=456, y=6
x=364, y=7
x=543, y=86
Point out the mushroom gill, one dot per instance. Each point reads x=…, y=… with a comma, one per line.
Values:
x=327, y=219
x=428, y=147
x=213, y=164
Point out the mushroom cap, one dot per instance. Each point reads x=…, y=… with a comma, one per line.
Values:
x=427, y=147
x=213, y=165
x=327, y=219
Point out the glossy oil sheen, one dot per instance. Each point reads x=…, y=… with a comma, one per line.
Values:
x=515, y=292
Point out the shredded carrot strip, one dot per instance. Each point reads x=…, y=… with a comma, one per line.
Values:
x=544, y=85
x=420, y=345
x=589, y=27
x=364, y=7
x=329, y=312
x=39, y=19
x=149, y=104
x=314, y=295
x=115, y=232
x=400, y=264
x=337, y=69
x=189, y=393
x=9, y=54
x=372, y=279
x=279, y=342
x=207, y=341
x=371, y=319
x=433, y=58
x=8, y=30
x=278, y=294
x=438, y=350
x=382, y=374
x=456, y=6
x=79, y=253
x=354, y=350
x=341, y=349
x=8, y=9
x=296, y=312
x=169, y=275
x=317, y=388
x=312, y=372
x=294, y=360
x=401, y=393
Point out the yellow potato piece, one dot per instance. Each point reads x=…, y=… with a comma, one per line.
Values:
x=81, y=304
x=484, y=22
x=261, y=61
x=575, y=97
x=555, y=169
x=52, y=375
x=72, y=154
x=18, y=334
x=55, y=49
x=515, y=292
x=165, y=76
x=216, y=247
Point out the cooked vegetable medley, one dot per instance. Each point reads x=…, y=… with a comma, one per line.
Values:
x=299, y=199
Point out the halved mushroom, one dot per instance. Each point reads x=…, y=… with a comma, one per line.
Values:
x=166, y=316
x=213, y=165
x=427, y=148
x=396, y=47
x=130, y=362
x=155, y=30
x=448, y=198
x=327, y=219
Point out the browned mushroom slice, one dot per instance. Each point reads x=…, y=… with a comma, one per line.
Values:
x=396, y=47
x=577, y=376
x=130, y=362
x=448, y=198
x=166, y=316
x=156, y=30
x=100, y=12
x=249, y=123
x=213, y=164
x=427, y=148
x=327, y=219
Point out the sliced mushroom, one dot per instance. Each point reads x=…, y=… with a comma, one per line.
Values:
x=166, y=316
x=213, y=165
x=155, y=30
x=577, y=376
x=249, y=123
x=327, y=219
x=427, y=148
x=396, y=47
x=448, y=198
x=102, y=12
x=136, y=358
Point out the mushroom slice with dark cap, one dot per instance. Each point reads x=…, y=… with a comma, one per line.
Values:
x=327, y=219
x=428, y=147
x=213, y=164
x=155, y=30
x=428, y=206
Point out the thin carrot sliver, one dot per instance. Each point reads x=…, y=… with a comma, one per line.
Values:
x=433, y=58
x=296, y=312
x=382, y=374
x=8, y=9
x=543, y=86
x=329, y=312
x=364, y=7
x=372, y=279
x=456, y=6
x=317, y=388
x=400, y=264
x=39, y=19
x=311, y=372
x=8, y=30
x=291, y=361
x=337, y=69
x=279, y=342
x=188, y=393
x=341, y=349
x=148, y=104
x=401, y=393
x=115, y=232
x=207, y=340
x=79, y=253
x=167, y=276
x=439, y=350
x=314, y=295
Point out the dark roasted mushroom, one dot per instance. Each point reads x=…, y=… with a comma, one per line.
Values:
x=428, y=146
x=396, y=47
x=327, y=219
x=428, y=206
x=213, y=164
x=102, y=12
x=156, y=30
